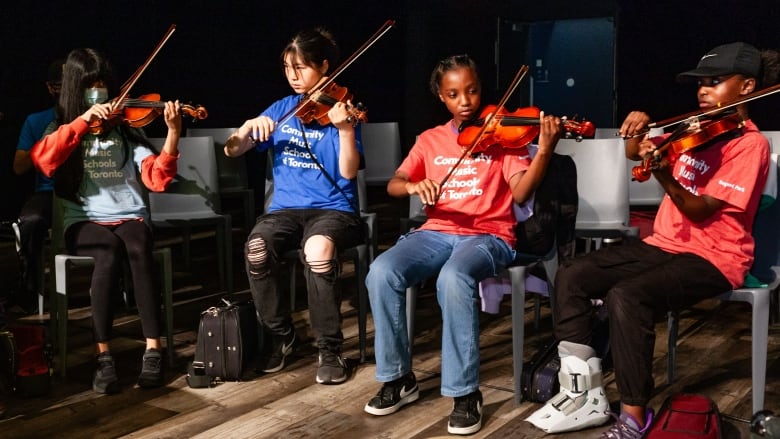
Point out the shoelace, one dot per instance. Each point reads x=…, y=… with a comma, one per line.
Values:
x=620, y=430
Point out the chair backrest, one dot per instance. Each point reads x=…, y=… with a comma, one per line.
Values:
x=602, y=181
x=194, y=192
x=382, y=150
x=232, y=170
x=774, y=140
x=767, y=235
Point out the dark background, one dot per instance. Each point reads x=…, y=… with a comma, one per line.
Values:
x=225, y=54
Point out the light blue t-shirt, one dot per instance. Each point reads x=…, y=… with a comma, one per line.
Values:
x=298, y=181
x=32, y=130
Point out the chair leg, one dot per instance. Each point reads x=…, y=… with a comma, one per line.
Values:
x=673, y=325
x=517, y=277
x=163, y=257
x=361, y=271
x=760, y=303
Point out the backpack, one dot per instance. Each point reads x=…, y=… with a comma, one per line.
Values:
x=556, y=202
x=686, y=416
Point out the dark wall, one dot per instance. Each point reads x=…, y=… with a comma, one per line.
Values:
x=224, y=54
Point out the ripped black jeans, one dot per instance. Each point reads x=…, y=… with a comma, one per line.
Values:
x=280, y=231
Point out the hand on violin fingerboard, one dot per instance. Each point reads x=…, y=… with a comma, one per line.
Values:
x=550, y=132
x=172, y=115
x=97, y=111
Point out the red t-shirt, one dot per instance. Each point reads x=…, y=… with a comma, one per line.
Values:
x=733, y=171
x=476, y=199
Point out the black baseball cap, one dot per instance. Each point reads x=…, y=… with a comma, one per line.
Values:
x=726, y=59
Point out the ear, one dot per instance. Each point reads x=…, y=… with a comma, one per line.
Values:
x=748, y=86
x=441, y=98
x=324, y=67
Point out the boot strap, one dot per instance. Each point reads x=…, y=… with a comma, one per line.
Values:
x=577, y=383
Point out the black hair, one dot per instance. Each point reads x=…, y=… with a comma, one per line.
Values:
x=82, y=69
x=313, y=46
x=770, y=69
x=447, y=64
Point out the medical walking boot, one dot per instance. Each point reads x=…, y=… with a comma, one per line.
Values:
x=581, y=402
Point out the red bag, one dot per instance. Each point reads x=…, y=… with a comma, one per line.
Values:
x=686, y=416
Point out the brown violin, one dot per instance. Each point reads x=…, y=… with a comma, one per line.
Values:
x=514, y=129
x=321, y=101
x=141, y=111
x=688, y=136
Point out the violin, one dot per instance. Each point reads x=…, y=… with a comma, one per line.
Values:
x=316, y=107
x=316, y=103
x=514, y=129
x=689, y=135
x=140, y=112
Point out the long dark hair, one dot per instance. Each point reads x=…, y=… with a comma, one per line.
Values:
x=313, y=46
x=82, y=69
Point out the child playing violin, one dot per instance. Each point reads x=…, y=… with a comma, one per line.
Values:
x=101, y=196
x=467, y=237
x=313, y=206
x=712, y=193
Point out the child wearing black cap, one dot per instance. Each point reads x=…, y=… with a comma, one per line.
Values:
x=701, y=246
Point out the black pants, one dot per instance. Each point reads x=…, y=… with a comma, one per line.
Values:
x=286, y=230
x=34, y=224
x=110, y=245
x=636, y=281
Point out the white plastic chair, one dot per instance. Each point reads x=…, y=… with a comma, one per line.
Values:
x=192, y=200
x=63, y=263
x=602, y=185
x=767, y=235
x=232, y=171
x=382, y=150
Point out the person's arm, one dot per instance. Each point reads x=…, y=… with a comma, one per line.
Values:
x=22, y=162
x=254, y=130
x=349, y=157
x=524, y=184
x=696, y=207
x=157, y=171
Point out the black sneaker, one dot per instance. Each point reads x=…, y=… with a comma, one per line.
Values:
x=282, y=346
x=466, y=416
x=105, y=380
x=393, y=395
x=331, y=369
x=151, y=370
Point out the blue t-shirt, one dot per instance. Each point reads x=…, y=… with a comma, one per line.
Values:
x=32, y=131
x=298, y=181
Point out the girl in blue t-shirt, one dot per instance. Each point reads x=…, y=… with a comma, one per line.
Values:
x=314, y=205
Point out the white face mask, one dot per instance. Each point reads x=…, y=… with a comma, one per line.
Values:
x=95, y=95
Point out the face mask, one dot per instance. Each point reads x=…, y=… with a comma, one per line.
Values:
x=94, y=96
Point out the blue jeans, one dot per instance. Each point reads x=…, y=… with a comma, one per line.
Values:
x=462, y=262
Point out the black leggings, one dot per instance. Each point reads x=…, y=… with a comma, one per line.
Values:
x=111, y=246
x=635, y=281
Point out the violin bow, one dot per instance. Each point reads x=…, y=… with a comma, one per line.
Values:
x=693, y=115
x=362, y=49
x=488, y=120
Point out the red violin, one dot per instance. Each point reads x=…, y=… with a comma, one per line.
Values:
x=513, y=129
x=691, y=135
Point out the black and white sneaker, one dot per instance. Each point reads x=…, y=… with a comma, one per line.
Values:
x=466, y=416
x=393, y=395
x=331, y=367
x=283, y=345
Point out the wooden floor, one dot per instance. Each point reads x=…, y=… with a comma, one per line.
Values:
x=713, y=358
